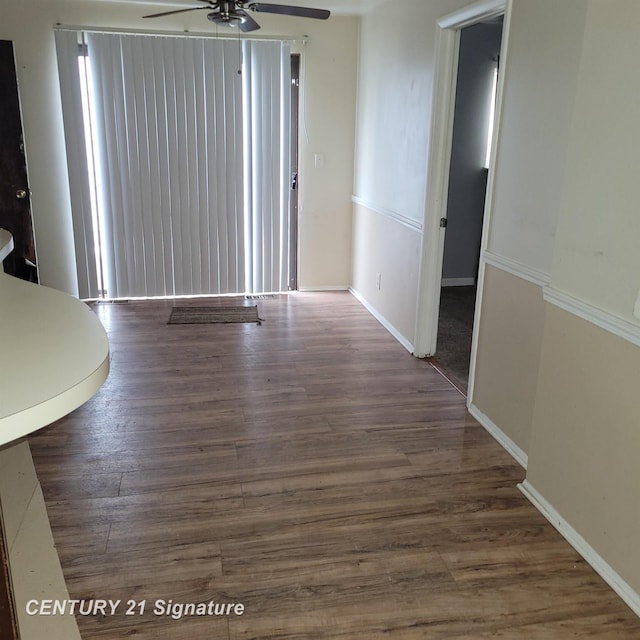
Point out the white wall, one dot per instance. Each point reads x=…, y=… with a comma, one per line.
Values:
x=330, y=79
x=328, y=128
x=597, y=252
x=393, y=128
x=540, y=79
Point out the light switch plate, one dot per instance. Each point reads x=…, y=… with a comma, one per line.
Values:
x=636, y=309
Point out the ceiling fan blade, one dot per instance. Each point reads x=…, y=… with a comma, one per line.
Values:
x=287, y=10
x=169, y=13
x=248, y=23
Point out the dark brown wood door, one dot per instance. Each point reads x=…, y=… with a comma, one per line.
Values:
x=15, y=209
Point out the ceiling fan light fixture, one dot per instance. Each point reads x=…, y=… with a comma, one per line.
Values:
x=226, y=21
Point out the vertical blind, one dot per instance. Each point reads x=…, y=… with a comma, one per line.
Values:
x=267, y=91
x=191, y=161
x=76, y=141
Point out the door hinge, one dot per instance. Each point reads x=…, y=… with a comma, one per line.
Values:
x=443, y=223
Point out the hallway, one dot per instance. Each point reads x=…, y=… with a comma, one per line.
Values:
x=310, y=469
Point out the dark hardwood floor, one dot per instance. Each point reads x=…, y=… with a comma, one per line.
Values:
x=312, y=470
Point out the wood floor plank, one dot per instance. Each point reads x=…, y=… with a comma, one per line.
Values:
x=311, y=469
x=435, y=613
x=141, y=571
x=603, y=627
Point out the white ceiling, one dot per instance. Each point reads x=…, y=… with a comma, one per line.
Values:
x=339, y=7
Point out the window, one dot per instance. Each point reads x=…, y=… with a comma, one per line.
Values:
x=492, y=116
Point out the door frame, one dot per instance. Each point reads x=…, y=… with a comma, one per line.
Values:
x=294, y=249
x=442, y=116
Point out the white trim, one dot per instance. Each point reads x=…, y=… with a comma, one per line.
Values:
x=473, y=13
x=388, y=213
x=606, y=320
x=458, y=282
x=432, y=250
x=328, y=287
x=382, y=320
x=444, y=91
x=516, y=268
x=488, y=205
x=503, y=439
x=597, y=562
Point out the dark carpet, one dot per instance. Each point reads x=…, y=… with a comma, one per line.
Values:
x=455, y=328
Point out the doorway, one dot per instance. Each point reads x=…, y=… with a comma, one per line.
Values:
x=15, y=208
x=474, y=116
x=448, y=39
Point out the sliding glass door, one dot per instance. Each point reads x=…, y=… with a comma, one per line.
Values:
x=179, y=163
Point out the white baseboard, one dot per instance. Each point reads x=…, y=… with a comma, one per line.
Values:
x=383, y=321
x=507, y=443
x=599, y=564
x=458, y=282
x=331, y=287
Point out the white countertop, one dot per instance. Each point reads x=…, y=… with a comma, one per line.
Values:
x=54, y=355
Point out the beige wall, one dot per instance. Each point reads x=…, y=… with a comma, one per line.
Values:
x=330, y=86
x=509, y=341
x=581, y=407
x=585, y=445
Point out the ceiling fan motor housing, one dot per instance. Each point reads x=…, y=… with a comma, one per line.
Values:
x=232, y=13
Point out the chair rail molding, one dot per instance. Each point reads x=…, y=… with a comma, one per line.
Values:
x=416, y=225
x=517, y=268
x=606, y=320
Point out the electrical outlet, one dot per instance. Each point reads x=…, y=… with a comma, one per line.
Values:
x=318, y=161
x=378, y=281
x=636, y=309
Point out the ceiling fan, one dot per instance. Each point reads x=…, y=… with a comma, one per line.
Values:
x=232, y=13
